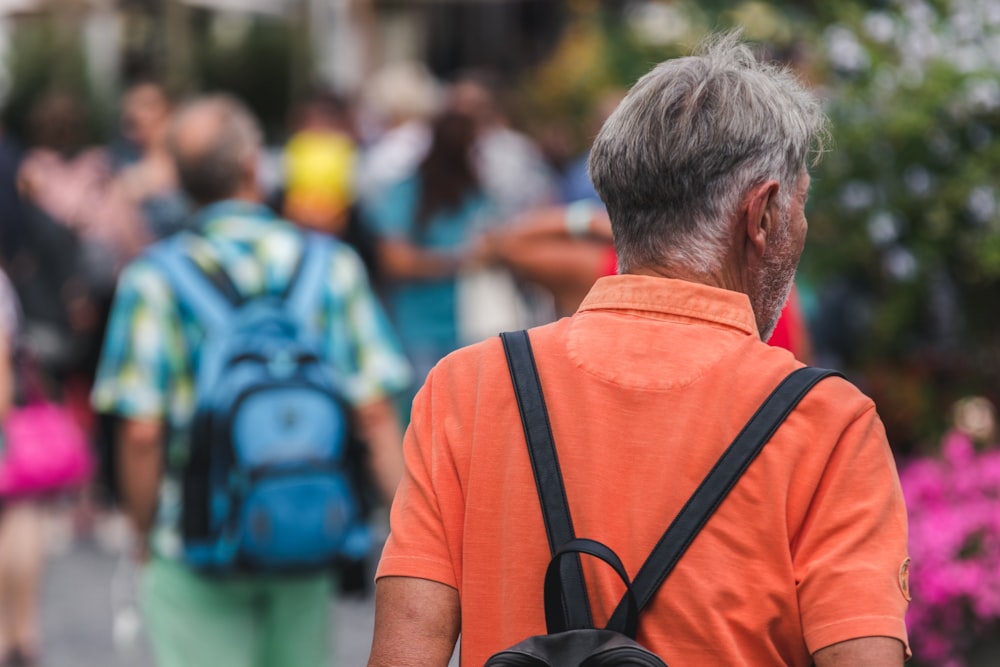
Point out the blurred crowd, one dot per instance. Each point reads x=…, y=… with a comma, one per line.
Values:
x=420, y=177
x=465, y=227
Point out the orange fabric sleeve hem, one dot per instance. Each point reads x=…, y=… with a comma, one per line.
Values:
x=856, y=628
x=417, y=568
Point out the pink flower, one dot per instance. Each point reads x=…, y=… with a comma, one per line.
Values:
x=954, y=511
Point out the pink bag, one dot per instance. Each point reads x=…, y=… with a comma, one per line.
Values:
x=45, y=451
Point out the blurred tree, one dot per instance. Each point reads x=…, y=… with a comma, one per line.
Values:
x=258, y=58
x=506, y=36
x=905, y=207
x=46, y=54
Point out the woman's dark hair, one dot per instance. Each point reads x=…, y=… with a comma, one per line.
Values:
x=448, y=173
x=58, y=122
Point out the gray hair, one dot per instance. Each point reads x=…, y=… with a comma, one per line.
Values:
x=689, y=141
x=211, y=164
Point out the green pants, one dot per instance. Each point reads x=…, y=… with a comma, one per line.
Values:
x=263, y=621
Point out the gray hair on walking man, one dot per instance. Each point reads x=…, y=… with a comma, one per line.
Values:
x=678, y=157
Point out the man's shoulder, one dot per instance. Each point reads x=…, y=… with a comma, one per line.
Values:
x=145, y=272
x=485, y=360
x=837, y=395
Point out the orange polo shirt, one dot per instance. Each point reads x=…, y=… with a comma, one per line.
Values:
x=646, y=385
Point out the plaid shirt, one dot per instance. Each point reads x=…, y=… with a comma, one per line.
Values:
x=147, y=366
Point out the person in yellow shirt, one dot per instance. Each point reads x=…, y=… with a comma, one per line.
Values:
x=320, y=160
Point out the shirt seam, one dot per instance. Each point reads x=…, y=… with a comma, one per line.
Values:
x=688, y=312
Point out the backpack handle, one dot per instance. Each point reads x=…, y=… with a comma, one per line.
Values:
x=556, y=580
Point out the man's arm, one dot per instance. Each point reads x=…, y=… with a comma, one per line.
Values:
x=140, y=468
x=379, y=429
x=863, y=652
x=401, y=260
x=540, y=247
x=417, y=623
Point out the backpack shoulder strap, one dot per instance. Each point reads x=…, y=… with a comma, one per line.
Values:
x=193, y=288
x=717, y=485
x=545, y=466
x=305, y=288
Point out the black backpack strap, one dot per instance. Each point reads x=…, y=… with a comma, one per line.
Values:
x=554, y=584
x=548, y=478
x=717, y=485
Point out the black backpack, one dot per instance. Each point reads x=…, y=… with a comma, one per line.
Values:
x=572, y=639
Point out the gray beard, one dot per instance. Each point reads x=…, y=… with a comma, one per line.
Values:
x=773, y=285
x=773, y=291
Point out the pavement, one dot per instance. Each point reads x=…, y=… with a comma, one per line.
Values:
x=86, y=583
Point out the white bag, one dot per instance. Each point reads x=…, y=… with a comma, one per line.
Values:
x=489, y=301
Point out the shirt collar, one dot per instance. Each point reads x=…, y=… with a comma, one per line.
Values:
x=232, y=208
x=667, y=298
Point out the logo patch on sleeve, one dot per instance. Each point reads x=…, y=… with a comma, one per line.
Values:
x=904, y=579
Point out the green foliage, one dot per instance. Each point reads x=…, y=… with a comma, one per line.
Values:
x=906, y=203
x=261, y=61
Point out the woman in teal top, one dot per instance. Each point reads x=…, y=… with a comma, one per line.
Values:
x=425, y=226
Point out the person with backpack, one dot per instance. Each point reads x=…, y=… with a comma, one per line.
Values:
x=243, y=358
x=647, y=482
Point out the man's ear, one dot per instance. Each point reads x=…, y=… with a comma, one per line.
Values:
x=760, y=214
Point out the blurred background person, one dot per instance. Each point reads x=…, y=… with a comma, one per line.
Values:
x=151, y=180
x=424, y=227
x=320, y=160
x=516, y=177
x=80, y=229
x=22, y=544
x=513, y=169
x=148, y=376
x=72, y=182
x=399, y=100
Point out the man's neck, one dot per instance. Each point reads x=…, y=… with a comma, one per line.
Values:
x=249, y=194
x=244, y=195
x=728, y=277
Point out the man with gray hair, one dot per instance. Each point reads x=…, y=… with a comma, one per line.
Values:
x=151, y=366
x=703, y=167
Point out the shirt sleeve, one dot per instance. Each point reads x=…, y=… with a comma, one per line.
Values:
x=418, y=545
x=142, y=349
x=850, y=557
x=363, y=342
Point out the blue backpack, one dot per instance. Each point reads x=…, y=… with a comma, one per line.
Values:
x=265, y=485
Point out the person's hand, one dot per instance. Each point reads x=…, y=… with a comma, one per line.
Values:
x=483, y=251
